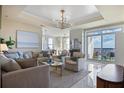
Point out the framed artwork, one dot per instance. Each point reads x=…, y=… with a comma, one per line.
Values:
x=26, y=39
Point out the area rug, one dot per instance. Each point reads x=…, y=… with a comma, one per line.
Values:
x=68, y=78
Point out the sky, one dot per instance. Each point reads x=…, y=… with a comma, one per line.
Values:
x=108, y=41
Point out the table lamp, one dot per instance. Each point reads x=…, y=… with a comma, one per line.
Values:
x=3, y=47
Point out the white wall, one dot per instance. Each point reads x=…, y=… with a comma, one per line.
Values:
x=120, y=48
x=9, y=28
x=77, y=34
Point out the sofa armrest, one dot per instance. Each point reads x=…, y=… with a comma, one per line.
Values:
x=0, y=76
x=34, y=77
x=82, y=64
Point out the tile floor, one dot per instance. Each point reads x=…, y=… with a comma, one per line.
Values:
x=90, y=80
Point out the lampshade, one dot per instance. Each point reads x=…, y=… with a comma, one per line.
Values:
x=3, y=47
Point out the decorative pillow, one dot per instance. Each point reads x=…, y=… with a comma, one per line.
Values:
x=12, y=55
x=20, y=55
x=41, y=55
x=27, y=55
x=11, y=65
x=26, y=63
x=35, y=54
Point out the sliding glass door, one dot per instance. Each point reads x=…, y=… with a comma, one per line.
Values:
x=108, y=49
x=94, y=47
x=101, y=44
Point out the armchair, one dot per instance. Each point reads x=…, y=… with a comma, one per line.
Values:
x=74, y=63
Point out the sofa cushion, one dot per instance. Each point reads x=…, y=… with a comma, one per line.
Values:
x=26, y=63
x=11, y=65
x=41, y=55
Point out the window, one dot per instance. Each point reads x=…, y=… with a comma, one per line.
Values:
x=50, y=43
x=108, y=50
x=94, y=47
x=101, y=44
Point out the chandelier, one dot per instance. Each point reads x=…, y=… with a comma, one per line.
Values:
x=63, y=23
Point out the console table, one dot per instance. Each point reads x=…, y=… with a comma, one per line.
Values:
x=111, y=76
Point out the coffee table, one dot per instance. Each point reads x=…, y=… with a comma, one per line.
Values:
x=56, y=65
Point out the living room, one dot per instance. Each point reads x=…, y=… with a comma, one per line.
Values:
x=57, y=46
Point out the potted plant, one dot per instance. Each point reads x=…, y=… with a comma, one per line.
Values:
x=10, y=43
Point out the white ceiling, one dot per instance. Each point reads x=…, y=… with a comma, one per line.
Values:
x=47, y=14
x=81, y=16
x=112, y=14
x=53, y=12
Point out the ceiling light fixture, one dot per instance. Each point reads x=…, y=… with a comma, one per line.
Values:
x=63, y=23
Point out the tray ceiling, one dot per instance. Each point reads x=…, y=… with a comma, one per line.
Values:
x=47, y=14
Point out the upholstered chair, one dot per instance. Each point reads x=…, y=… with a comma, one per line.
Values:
x=74, y=63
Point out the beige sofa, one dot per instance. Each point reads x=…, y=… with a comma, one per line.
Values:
x=0, y=77
x=34, y=77
x=28, y=74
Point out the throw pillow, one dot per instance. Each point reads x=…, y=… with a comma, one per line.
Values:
x=35, y=54
x=12, y=55
x=26, y=63
x=28, y=55
x=11, y=65
x=40, y=55
x=20, y=55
